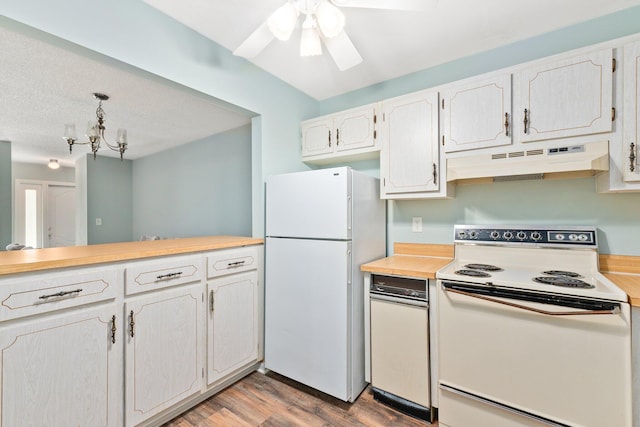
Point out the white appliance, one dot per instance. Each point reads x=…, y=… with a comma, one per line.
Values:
x=320, y=226
x=531, y=333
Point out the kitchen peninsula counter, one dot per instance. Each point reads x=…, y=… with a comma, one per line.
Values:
x=624, y=271
x=412, y=260
x=74, y=256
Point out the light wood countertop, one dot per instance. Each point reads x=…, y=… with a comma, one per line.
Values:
x=412, y=260
x=74, y=256
x=624, y=271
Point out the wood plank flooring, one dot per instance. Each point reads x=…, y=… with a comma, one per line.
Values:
x=272, y=400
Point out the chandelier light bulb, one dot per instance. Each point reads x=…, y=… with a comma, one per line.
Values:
x=310, y=39
x=330, y=19
x=283, y=21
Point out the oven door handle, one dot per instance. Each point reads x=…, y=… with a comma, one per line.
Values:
x=615, y=310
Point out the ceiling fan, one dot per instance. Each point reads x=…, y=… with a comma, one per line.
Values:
x=323, y=24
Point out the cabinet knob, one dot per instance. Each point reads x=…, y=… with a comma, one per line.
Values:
x=506, y=124
x=632, y=157
x=131, y=324
x=526, y=121
x=113, y=329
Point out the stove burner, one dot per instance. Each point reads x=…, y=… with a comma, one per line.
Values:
x=562, y=273
x=483, y=267
x=564, y=281
x=473, y=273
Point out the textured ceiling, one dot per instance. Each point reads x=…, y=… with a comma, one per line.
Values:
x=45, y=86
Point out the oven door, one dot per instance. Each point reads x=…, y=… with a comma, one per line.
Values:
x=507, y=353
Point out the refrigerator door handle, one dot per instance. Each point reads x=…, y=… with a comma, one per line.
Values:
x=349, y=267
x=349, y=213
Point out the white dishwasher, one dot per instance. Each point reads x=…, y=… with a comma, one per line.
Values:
x=399, y=310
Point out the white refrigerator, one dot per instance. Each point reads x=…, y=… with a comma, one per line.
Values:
x=320, y=226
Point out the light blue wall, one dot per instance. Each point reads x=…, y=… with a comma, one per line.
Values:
x=109, y=198
x=200, y=188
x=42, y=172
x=5, y=194
x=132, y=32
x=569, y=202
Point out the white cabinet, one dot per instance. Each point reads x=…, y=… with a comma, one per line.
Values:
x=233, y=324
x=476, y=114
x=63, y=369
x=234, y=321
x=347, y=135
x=163, y=352
x=564, y=98
x=630, y=165
x=410, y=158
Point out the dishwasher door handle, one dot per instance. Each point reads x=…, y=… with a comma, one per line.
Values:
x=399, y=300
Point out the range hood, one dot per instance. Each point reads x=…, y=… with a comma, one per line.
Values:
x=560, y=161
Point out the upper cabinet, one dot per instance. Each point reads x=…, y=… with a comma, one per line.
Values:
x=476, y=114
x=410, y=158
x=564, y=98
x=347, y=135
x=630, y=164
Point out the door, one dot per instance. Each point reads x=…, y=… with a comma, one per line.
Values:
x=477, y=114
x=317, y=137
x=233, y=324
x=61, y=215
x=400, y=349
x=630, y=163
x=409, y=160
x=564, y=98
x=313, y=204
x=307, y=313
x=355, y=128
x=163, y=357
x=29, y=213
x=60, y=371
x=571, y=368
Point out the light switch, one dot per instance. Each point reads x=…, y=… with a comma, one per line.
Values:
x=416, y=224
x=98, y=221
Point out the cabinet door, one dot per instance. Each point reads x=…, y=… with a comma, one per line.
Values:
x=630, y=164
x=477, y=115
x=355, y=129
x=564, y=98
x=62, y=370
x=233, y=324
x=317, y=137
x=409, y=158
x=163, y=358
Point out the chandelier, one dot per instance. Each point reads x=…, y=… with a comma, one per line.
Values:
x=95, y=132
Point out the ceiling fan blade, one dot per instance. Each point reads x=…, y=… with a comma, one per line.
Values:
x=342, y=50
x=387, y=4
x=255, y=43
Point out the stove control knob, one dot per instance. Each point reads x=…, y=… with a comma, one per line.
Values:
x=521, y=235
x=559, y=236
x=473, y=234
x=494, y=235
x=573, y=237
x=508, y=235
x=536, y=236
x=462, y=234
x=583, y=237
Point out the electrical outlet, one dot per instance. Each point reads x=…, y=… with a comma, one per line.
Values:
x=98, y=221
x=416, y=224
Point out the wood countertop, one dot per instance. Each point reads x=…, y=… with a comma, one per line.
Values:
x=74, y=256
x=412, y=260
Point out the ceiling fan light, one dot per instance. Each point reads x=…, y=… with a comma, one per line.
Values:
x=330, y=19
x=310, y=39
x=282, y=22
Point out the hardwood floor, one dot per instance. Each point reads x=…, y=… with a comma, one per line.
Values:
x=271, y=400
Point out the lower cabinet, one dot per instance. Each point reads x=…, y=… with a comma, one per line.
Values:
x=63, y=370
x=233, y=324
x=163, y=354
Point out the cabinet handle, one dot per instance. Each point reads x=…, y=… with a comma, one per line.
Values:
x=506, y=124
x=329, y=138
x=235, y=264
x=113, y=329
x=169, y=275
x=60, y=294
x=632, y=157
x=132, y=324
x=211, y=300
x=435, y=173
x=337, y=137
x=526, y=121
